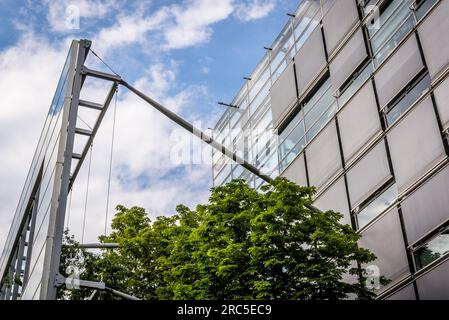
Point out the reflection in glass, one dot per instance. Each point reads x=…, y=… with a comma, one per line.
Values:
x=431, y=251
x=423, y=6
x=376, y=206
x=407, y=100
x=358, y=80
x=396, y=21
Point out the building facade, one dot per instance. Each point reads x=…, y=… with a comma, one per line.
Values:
x=353, y=98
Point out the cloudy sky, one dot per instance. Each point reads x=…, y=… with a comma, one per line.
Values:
x=188, y=54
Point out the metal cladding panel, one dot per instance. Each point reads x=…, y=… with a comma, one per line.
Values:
x=384, y=239
x=347, y=60
x=407, y=293
x=283, y=93
x=338, y=21
x=434, y=285
x=296, y=172
x=427, y=207
x=335, y=199
x=398, y=71
x=359, y=121
x=415, y=144
x=368, y=174
x=310, y=60
x=434, y=38
x=323, y=156
x=442, y=99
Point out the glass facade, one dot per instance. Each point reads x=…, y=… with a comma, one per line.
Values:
x=40, y=181
x=360, y=117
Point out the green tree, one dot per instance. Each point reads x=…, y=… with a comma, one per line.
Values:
x=243, y=244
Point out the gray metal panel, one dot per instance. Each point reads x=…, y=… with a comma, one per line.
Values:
x=427, y=207
x=338, y=22
x=398, y=71
x=384, y=239
x=435, y=284
x=368, y=174
x=310, y=60
x=323, y=156
x=359, y=121
x=348, y=59
x=335, y=198
x=283, y=93
x=434, y=38
x=296, y=172
x=442, y=99
x=407, y=293
x=415, y=144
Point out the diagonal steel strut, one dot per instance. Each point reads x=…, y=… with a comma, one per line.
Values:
x=189, y=127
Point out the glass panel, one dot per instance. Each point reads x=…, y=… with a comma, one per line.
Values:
x=377, y=206
x=409, y=98
x=321, y=122
x=357, y=82
x=45, y=157
x=432, y=250
x=394, y=40
x=423, y=6
x=260, y=82
x=291, y=141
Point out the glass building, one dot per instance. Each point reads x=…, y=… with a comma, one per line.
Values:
x=353, y=98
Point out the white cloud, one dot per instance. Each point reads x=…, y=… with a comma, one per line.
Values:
x=142, y=144
x=174, y=26
x=30, y=72
x=193, y=21
x=61, y=13
x=129, y=30
x=254, y=9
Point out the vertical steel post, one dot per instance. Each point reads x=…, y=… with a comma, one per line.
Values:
x=63, y=166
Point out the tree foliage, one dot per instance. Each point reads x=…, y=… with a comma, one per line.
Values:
x=242, y=244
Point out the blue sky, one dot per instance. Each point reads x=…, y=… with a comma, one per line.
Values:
x=188, y=54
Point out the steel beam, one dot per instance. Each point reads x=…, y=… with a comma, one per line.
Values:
x=189, y=127
x=98, y=245
x=91, y=105
x=100, y=75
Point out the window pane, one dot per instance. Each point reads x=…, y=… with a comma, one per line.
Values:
x=377, y=206
x=431, y=251
x=356, y=83
x=405, y=102
x=423, y=7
